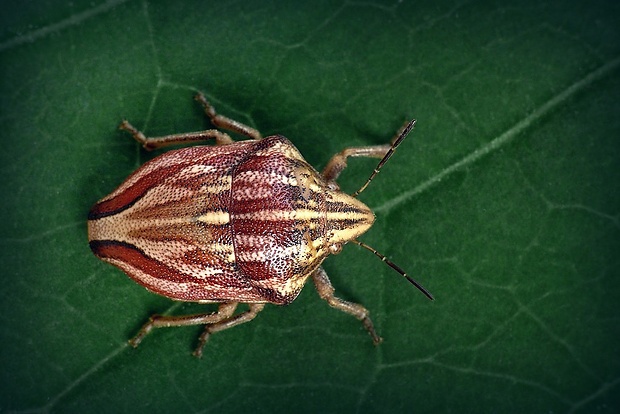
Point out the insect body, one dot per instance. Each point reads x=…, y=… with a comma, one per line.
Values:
x=238, y=222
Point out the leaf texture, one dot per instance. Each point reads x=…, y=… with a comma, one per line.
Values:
x=503, y=202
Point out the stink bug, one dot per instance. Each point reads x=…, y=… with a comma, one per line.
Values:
x=238, y=222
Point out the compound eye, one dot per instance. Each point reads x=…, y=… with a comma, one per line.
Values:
x=335, y=248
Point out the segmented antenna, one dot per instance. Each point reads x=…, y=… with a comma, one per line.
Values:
x=401, y=136
x=398, y=269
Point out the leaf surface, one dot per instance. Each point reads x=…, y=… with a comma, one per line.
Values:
x=503, y=202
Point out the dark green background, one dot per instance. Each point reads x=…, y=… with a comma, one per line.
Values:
x=504, y=202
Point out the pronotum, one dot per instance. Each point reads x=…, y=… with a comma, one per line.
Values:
x=235, y=222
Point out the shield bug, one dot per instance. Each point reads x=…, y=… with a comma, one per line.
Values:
x=235, y=222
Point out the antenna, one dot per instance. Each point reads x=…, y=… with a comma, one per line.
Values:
x=401, y=136
x=393, y=266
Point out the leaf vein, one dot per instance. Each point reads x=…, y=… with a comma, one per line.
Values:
x=70, y=21
x=506, y=137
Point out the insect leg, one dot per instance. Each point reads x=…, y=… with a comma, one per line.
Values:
x=221, y=138
x=227, y=323
x=224, y=122
x=224, y=311
x=339, y=161
x=326, y=292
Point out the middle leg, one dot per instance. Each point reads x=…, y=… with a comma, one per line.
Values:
x=224, y=122
x=221, y=138
x=227, y=323
x=151, y=143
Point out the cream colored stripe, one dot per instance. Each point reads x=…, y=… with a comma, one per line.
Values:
x=215, y=217
x=300, y=214
x=111, y=228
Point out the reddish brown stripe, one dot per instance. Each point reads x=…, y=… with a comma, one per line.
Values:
x=277, y=163
x=280, y=229
x=253, y=206
x=132, y=193
x=218, y=157
x=269, y=269
x=128, y=253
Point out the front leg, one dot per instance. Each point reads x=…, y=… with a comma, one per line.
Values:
x=227, y=323
x=339, y=161
x=326, y=292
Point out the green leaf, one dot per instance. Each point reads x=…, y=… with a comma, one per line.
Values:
x=503, y=202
